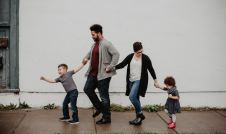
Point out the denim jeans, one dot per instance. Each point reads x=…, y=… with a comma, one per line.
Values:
x=103, y=87
x=134, y=95
x=71, y=97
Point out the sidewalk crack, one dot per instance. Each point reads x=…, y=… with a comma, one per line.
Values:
x=94, y=122
x=220, y=113
x=19, y=123
x=166, y=122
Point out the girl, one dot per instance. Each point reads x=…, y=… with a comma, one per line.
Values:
x=172, y=105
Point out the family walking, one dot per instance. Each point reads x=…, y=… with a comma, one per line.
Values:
x=103, y=62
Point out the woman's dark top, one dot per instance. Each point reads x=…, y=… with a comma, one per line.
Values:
x=146, y=66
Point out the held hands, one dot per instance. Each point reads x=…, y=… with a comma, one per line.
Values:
x=156, y=84
x=84, y=61
x=108, y=69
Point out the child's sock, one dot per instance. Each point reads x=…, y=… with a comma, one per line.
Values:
x=174, y=118
x=168, y=113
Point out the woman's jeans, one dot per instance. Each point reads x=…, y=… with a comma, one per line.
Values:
x=134, y=95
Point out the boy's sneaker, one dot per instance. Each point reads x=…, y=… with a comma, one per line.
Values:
x=64, y=119
x=72, y=122
x=172, y=125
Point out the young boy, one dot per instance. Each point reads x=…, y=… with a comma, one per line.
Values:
x=172, y=105
x=70, y=87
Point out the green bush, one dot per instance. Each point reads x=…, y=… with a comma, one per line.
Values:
x=50, y=106
x=153, y=108
x=148, y=108
x=2, y=107
x=11, y=106
x=23, y=105
x=119, y=108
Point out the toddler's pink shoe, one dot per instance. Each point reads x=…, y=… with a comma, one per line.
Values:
x=172, y=125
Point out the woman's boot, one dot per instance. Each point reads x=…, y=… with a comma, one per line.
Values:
x=139, y=119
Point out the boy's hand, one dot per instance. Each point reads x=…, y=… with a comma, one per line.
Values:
x=42, y=78
x=47, y=79
x=170, y=95
x=84, y=61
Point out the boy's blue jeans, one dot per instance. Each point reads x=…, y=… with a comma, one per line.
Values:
x=134, y=95
x=71, y=97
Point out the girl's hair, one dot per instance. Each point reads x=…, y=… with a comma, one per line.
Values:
x=63, y=65
x=137, y=46
x=170, y=81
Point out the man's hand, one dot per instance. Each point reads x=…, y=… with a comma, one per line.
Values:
x=170, y=95
x=108, y=69
x=84, y=61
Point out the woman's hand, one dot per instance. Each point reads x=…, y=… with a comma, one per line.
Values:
x=156, y=83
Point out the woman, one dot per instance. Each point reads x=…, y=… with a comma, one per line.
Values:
x=137, y=78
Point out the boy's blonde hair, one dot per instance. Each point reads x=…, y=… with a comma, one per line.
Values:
x=63, y=65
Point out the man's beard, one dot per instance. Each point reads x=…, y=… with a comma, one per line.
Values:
x=96, y=39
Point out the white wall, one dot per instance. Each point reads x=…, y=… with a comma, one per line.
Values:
x=184, y=38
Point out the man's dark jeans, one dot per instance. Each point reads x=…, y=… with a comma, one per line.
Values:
x=71, y=97
x=103, y=87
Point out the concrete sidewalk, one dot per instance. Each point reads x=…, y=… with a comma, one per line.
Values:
x=39, y=121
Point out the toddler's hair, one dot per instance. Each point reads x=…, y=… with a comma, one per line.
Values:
x=63, y=65
x=170, y=81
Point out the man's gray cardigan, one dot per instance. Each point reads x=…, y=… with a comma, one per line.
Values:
x=108, y=57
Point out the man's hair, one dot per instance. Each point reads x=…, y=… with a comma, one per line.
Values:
x=137, y=46
x=63, y=65
x=170, y=81
x=96, y=28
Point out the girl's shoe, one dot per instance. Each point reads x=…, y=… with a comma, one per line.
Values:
x=170, y=121
x=172, y=125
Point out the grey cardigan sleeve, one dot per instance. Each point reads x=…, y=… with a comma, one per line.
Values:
x=88, y=55
x=115, y=55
